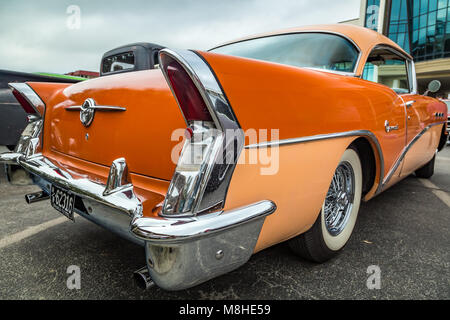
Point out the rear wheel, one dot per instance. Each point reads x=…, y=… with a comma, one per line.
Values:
x=334, y=225
x=427, y=170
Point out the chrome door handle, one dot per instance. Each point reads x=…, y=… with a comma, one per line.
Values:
x=410, y=103
x=389, y=128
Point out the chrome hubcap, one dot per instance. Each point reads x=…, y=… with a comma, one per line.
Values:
x=339, y=199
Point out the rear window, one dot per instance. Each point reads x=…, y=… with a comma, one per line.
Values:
x=118, y=62
x=308, y=50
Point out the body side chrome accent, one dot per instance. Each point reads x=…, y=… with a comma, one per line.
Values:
x=354, y=133
x=88, y=108
x=388, y=128
x=97, y=107
x=405, y=150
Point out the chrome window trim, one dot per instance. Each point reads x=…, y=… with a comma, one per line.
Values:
x=212, y=194
x=410, y=68
x=358, y=59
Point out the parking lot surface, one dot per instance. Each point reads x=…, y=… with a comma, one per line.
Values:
x=405, y=231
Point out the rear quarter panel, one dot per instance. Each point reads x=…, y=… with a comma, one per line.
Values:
x=301, y=102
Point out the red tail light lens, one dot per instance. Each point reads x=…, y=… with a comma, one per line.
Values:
x=188, y=96
x=24, y=102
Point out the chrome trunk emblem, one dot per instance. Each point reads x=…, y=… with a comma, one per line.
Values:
x=87, y=112
x=88, y=108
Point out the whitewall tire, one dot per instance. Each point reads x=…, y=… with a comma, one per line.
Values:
x=337, y=219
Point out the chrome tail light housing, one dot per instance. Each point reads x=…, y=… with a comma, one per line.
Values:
x=30, y=142
x=215, y=140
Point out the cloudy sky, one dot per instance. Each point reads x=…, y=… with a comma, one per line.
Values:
x=44, y=35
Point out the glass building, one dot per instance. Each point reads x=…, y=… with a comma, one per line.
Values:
x=420, y=27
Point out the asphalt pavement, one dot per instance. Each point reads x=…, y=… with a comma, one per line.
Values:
x=404, y=232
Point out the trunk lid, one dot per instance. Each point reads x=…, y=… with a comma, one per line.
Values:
x=141, y=134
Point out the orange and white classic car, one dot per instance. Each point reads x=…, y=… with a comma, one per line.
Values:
x=220, y=154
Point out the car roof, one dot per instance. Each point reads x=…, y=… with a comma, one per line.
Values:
x=365, y=39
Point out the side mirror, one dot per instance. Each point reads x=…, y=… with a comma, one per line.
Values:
x=433, y=87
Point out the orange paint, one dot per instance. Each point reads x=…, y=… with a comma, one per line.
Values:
x=298, y=102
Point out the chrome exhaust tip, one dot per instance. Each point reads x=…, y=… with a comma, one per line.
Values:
x=143, y=279
x=37, y=196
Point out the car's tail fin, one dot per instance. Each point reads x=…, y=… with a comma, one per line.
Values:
x=208, y=158
x=31, y=95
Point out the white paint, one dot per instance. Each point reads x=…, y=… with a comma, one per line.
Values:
x=30, y=231
x=441, y=194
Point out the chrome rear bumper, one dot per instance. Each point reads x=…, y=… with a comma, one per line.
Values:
x=180, y=252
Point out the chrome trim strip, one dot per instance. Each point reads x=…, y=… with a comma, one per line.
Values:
x=175, y=230
x=314, y=138
x=354, y=133
x=405, y=150
x=99, y=108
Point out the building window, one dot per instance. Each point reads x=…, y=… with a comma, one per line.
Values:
x=421, y=27
x=372, y=14
x=430, y=22
x=399, y=24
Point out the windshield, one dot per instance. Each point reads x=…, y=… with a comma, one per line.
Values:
x=310, y=50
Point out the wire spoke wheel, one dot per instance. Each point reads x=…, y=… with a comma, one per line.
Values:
x=339, y=199
x=334, y=225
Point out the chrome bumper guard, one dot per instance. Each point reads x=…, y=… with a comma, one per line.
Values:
x=180, y=252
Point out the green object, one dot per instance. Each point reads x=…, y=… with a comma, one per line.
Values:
x=57, y=75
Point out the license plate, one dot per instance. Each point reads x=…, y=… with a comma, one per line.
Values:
x=63, y=201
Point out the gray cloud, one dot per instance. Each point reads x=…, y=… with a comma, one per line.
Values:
x=34, y=35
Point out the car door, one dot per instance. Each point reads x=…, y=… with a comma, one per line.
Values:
x=388, y=69
x=419, y=148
